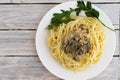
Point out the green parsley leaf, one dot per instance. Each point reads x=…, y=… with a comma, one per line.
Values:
x=81, y=5
x=89, y=6
x=58, y=18
x=78, y=10
x=92, y=13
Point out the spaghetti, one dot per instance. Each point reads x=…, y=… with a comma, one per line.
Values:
x=96, y=35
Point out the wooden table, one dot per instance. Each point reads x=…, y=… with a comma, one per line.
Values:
x=19, y=20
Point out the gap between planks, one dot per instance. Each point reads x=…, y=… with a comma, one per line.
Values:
x=34, y=55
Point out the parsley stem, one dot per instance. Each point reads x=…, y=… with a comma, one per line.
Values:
x=105, y=25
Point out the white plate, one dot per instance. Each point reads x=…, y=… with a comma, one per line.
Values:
x=57, y=69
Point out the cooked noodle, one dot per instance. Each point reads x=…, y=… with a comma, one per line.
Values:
x=96, y=35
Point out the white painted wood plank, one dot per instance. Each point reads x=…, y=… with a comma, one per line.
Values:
x=30, y=68
x=23, y=68
x=17, y=43
x=58, y=1
x=29, y=16
x=23, y=43
x=5, y=1
x=111, y=12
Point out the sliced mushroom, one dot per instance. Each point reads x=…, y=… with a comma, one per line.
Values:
x=76, y=43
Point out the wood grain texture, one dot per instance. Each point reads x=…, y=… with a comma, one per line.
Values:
x=28, y=16
x=17, y=43
x=23, y=43
x=23, y=68
x=58, y=1
x=30, y=68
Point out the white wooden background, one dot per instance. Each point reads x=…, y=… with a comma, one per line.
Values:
x=18, y=23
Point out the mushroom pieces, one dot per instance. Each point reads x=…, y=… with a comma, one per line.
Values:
x=76, y=43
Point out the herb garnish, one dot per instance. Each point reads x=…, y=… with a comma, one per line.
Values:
x=89, y=11
x=64, y=16
x=59, y=18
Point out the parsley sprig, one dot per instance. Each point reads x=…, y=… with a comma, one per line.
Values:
x=89, y=11
x=58, y=18
x=64, y=16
